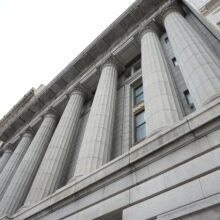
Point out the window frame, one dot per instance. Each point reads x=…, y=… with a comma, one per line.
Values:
x=188, y=99
x=142, y=111
x=136, y=96
x=166, y=39
x=174, y=61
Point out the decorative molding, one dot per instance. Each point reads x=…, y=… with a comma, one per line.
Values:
x=110, y=61
x=150, y=27
x=173, y=7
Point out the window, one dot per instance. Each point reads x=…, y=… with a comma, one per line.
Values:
x=166, y=40
x=188, y=98
x=138, y=94
x=137, y=66
x=140, y=126
x=175, y=63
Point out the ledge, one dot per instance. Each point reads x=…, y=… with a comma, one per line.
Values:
x=152, y=149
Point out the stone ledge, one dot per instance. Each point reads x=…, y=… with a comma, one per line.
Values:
x=190, y=209
x=160, y=145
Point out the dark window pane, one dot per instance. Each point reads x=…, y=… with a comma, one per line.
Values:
x=139, y=98
x=175, y=63
x=166, y=40
x=140, y=132
x=138, y=90
x=188, y=98
x=139, y=119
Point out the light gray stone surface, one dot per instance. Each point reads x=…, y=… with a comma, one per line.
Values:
x=78, y=142
x=25, y=173
x=176, y=77
x=50, y=171
x=199, y=66
x=4, y=158
x=118, y=124
x=160, y=107
x=97, y=140
x=173, y=174
x=13, y=163
x=165, y=174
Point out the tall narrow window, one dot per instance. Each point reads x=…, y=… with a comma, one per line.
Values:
x=140, y=126
x=175, y=63
x=188, y=98
x=138, y=94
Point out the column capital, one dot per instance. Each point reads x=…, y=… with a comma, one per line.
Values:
x=52, y=113
x=9, y=148
x=79, y=89
x=150, y=27
x=110, y=61
x=173, y=7
x=29, y=132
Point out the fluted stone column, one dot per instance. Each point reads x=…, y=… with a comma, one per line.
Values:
x=5, y=157
x=200, y=68
x=52, y=167
x=25, y=173
x=13, y=163
x=160, y=107
x=96, y=144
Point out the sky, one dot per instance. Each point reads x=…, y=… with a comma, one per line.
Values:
x=38, y=38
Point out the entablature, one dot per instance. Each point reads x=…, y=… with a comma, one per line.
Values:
x=120, y=39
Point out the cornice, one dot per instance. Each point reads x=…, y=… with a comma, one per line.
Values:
x=151, y=27
x=173, y=7
x=75, y=73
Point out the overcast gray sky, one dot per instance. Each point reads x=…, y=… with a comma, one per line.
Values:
x=40, y=37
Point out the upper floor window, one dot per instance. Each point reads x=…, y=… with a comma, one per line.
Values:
x=166, y=40
x=175, y=63
x=188, y=98
x=138, y=94
x=140, y=126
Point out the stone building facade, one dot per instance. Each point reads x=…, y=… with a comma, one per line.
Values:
x=130, y=129
x=211, y=10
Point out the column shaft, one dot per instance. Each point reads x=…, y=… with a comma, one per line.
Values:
x=4, y=159
x=50, y=172
x=25, y=173
x=200, y=68
x=97, y=139
x=13, y=163
x=160, y=107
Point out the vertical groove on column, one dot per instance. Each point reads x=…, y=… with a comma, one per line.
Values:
x=51, y=169
x=97, y=139
x=10, y=168
x=161, y=109
x=200, y=68
x=24, y=175
x=4, y=159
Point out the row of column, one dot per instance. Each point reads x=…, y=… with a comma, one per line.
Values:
x=35, y=169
